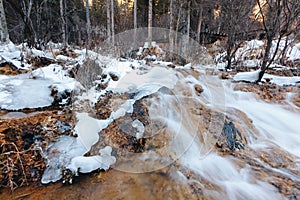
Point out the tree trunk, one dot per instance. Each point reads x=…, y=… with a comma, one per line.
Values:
x=112, y=23
x=229, y=47
x=63, y=22
x=79, y=35
x=266, y=58
x=284, y=51
x=66, y=22
x=88, y=23
x=171, y=33
x=228, y=58
x=150, y=24
x=187, y=39
x=47, y=14
x=186, y=30
x=108, y=20
x=199, y=23
x=4, y=37
x=135, y=24
x=29, y=31
x=177, y=28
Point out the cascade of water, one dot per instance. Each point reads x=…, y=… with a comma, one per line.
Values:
x=275, y=124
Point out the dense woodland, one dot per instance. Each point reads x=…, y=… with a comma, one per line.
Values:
x=89, y=22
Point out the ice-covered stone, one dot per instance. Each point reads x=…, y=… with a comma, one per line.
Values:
x=140, y=128
x=85, y=164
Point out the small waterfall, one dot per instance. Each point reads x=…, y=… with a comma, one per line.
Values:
x=192, y=123
x=275, y=125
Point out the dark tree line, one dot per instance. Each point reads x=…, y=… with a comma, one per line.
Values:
x=73, y=22
x=40, y=21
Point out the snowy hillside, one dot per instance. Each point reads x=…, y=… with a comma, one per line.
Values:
x=250, y=53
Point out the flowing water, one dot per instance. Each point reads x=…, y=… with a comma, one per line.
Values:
x=276, y=130
x=188, y=165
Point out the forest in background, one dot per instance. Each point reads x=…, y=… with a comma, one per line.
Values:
x=89, y=22
x=41, y=21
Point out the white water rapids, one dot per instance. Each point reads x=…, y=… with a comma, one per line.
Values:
x=276, y=124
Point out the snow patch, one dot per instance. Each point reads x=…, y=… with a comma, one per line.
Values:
x=294, y=53
x=281, y=80
x=157, y=76
x=22, y=91
x=247, y=76
x=88, y=164
x=140, y=128
x=58, y=155
x=68, y=151
x=254, y=44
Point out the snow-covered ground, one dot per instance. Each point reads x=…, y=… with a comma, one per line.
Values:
x=12, y=53
x=33, y=90
x=281, y=80
x=87, y=128
x=247, y=76
x=278, y=80
x=251, y=52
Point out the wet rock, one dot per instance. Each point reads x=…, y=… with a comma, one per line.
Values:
x=108, y=103
x=232, y=136
x=224, y=76
x=199, y=89
x=101, y=86
x=63, y=127
x=88, y=73
x=198, y=190
x=103, y=76
x=296, y=100
x=108, y=185
x=262, y=161
x=61, y=98
x=268, y=92
x=171, y=66
x=277, y=158
x=9, y=69
x=38, y=61
x=67, y=176
x=102, y=107
x=268, y=79
x=122, y=135
x=288, y=188
x=66, y=52
x=113, y=76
